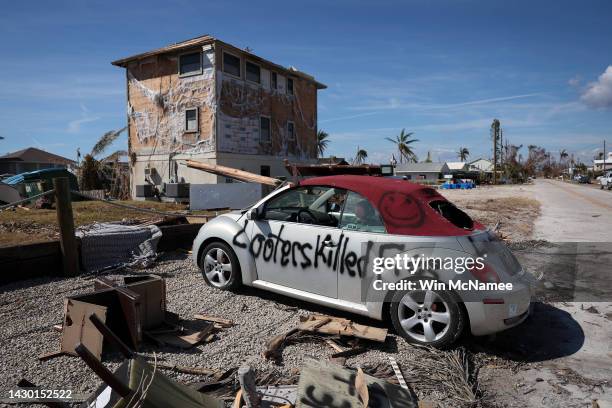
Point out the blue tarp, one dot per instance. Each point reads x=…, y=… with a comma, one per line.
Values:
x=45, y=174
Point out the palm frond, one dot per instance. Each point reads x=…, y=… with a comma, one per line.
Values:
x=106, y=140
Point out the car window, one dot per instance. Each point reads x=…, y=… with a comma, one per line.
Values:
x=308, y=205
x=360, y=215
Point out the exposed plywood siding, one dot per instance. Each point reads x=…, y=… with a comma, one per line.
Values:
x=157, y=100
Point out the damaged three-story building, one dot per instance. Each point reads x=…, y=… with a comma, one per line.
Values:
x=203, y=99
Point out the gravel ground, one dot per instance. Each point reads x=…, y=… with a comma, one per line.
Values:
x=29, y=309
x=503, y=367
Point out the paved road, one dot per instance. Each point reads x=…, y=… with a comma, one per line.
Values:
x=573, y=212
x=577, y=213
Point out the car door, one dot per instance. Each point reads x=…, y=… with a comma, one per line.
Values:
x=295, y=242
x=362, y=227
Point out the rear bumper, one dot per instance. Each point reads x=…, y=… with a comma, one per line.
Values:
x=492, y=318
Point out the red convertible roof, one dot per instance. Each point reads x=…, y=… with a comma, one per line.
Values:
x=404, y=206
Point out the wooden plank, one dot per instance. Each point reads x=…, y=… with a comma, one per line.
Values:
x=185, y=341
x=78, y=329
x=222, y=322
x=233, y=173
x=342, y=327
x=65, y=220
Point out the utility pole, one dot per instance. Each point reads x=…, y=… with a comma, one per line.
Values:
x=495, y=134
x=604, y=157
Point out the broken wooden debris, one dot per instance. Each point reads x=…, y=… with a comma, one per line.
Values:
x=350, y=352
x=320, y=324
x=78, y=329
x=188, y=370
x=137, y=383
x=151, y=290
x=128, y=308
x=233, y=173
x=183, y=341
x=51, y=354
x=361, y=386
x=251, y=397
x=274, y=345
x=225, y=323
x=342, y=327
x=334, y=345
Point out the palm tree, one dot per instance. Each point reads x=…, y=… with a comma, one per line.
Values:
x=403, y=142
x=563, y=155
x=360, y=156
x=92, y=170
x=322, y=142
x=463, y=153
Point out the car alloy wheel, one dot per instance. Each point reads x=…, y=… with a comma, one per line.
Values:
x=427, y=317
x=217, y=267
x=425, y=320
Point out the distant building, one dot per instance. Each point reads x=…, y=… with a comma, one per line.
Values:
x=598, y=164
x=31, y=159
x=458, y=166
x=481, y=165
x=425, y=172
x=206, y=100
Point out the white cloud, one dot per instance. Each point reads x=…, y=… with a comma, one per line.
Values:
x=575, y=81
x=74, y=126
x=598, y=94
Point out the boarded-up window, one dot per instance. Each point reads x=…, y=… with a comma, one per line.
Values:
x=264, y=129
x=274, y=80
x=191, y=120
x=190, y=64
x=253, y=72
x=290, y=130
x=231, y=64
x=290, y=86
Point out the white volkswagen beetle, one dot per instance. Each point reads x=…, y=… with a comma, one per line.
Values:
x=318, y=241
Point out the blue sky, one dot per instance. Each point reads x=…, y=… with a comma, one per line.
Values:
x=442, y=69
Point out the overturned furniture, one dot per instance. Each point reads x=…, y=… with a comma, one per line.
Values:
x=137, y=304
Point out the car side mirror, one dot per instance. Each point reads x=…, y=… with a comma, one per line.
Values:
x=253, y=213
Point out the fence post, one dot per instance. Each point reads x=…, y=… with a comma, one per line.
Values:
x=63, y=204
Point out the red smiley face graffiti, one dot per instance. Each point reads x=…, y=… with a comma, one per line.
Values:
x=401, y=210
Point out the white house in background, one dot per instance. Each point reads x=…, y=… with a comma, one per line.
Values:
x=481, y=165
x=458, y=166
x=430, y=172
x=598, y=165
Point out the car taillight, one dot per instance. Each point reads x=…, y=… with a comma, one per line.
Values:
x=486, y=274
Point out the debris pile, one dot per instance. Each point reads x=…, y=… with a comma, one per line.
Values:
x=314, y=326
x=133, y=309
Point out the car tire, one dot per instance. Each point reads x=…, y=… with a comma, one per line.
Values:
x=220, y=267
x=415, y=322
